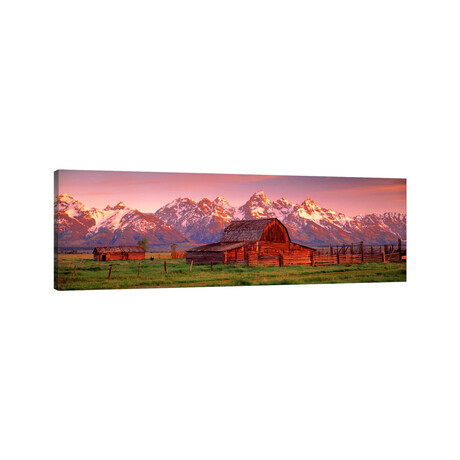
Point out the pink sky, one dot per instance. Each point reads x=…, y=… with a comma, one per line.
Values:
x=149, y=191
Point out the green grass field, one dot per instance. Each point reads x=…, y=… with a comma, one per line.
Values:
x=93, y=275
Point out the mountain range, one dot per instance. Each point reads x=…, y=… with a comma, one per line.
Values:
x=186, y=221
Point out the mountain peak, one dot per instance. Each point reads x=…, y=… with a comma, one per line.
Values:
x=182, y=199
x=70, y=204
x=118, y=206
x=309, y=202
x=204, y=203
x=66, y=197
x=284, y=201
x=259, y=197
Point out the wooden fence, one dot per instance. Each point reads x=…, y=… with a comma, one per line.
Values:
x=322, y=259
x=360, y=248
x=343, y=254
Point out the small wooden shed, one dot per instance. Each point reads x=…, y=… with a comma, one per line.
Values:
x=103, y=253
x=253, y=242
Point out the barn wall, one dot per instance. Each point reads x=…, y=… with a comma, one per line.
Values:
x=276, y=254
x=255, y=259
x=275, y=232
x=114, y=256
x=267, y=253
x=205, y=257
x=270, y=247
x=236, y=256
x=298, y=247
x=136, y=255
x=119, y=256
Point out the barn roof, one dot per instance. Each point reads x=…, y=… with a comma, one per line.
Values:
x=117, y=249
x=245, y=230
x=217, y=247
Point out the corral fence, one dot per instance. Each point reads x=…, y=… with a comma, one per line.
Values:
x=358, y=248
x=360, y=253
x=335, y=255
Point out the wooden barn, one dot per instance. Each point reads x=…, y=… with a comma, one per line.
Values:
x=253, y=242
x=103, y=253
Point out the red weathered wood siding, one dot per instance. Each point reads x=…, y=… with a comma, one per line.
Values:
x=236, y=256
x=120, y=256
x=275, y=232
x=205, y=257
x=260, y=253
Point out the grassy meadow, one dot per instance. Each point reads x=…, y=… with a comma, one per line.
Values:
x=93, y=275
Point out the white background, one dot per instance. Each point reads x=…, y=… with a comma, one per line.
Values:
x=353, y=88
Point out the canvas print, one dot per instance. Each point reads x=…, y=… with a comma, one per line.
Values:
x=120, y=230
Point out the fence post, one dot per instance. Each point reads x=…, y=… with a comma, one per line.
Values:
x=74, y=270
x=362, y=252
x=400, y=249
x=211, y=265
x=110, y=272
x=383, y=256
x=191, y=266
x=338, y=258
x=331, y=250
x=166, y=269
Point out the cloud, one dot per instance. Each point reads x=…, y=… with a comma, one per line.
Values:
x=394, y=189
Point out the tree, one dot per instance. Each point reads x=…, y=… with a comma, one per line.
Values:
x=144, y=243
x=173, y=247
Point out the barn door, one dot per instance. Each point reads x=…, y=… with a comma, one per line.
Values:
x=103, y=257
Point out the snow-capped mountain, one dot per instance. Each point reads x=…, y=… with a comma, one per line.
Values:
x=80, y=226
x=259, y=206
x=205, y=220
x=307, y=222
x=201, y=222
x=394, y=221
